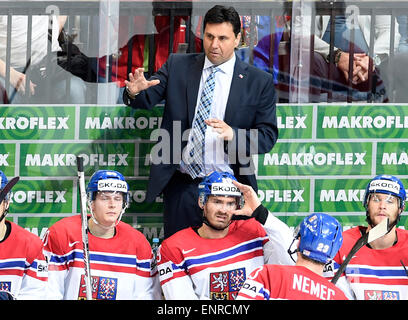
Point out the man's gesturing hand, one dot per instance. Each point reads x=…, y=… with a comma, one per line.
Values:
x=250, y=197
x=137, y=82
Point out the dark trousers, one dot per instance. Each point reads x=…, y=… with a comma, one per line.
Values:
x=181, y=209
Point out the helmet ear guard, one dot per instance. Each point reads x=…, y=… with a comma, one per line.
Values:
x=202, y=199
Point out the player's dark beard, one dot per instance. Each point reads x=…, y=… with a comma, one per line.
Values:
x=372, y=225
x=208, y=223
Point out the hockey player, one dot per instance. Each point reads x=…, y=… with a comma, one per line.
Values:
x=212, y=261
x=120, y=256
x=23, y=269
x=376, y=271
x=319, y=240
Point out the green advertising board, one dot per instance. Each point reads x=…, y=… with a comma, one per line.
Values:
x=59, y=159
x=322, y=161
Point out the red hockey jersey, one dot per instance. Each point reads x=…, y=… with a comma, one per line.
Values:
x=288, y=282
x=23, y=269
x=372, y=274
x=191, y=267
x=121, y=266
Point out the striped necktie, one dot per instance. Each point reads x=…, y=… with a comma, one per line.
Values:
x=195, y=165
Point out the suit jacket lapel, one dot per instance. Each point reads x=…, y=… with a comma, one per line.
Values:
x=238, y=83
x=193, y=84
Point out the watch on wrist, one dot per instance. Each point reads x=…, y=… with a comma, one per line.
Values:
x=378, y=58
x=336, y=54
x=131, y=96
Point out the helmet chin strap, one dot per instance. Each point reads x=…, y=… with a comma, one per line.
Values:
x=5, y=212
x=4, y=215
x=292, y=252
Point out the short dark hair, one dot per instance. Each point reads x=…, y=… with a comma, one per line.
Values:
x=220, y=14
x=312, y=260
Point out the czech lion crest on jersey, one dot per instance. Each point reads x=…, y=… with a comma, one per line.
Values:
x=103, y=288
x=381, y=295
x=5, y=286
x=225, y=285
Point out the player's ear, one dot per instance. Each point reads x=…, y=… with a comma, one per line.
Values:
x=237, y=40
x=201, y=203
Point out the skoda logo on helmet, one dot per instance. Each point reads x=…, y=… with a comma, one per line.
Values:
x=225, y=190
x=112, y=185
x=384, y=185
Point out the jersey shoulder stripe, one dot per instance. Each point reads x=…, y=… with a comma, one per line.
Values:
x=104, y=261
x=223, y=255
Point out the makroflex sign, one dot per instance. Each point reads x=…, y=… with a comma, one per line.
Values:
x=322, y=162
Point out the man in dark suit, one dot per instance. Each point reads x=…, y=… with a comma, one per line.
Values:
x=226, y=106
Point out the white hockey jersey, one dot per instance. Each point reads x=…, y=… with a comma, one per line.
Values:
x=191, y=267
x=372, y=274
x=23, y=269
x=121, y=267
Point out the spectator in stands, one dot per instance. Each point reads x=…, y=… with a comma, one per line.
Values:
x=135, y=53
x=361, y=60
x=48, y=82
x=362, y=88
